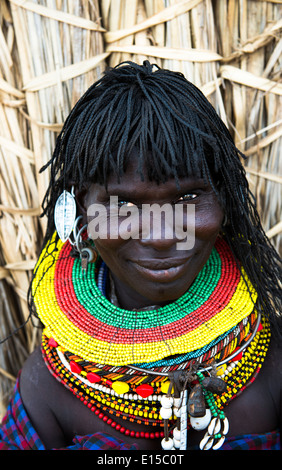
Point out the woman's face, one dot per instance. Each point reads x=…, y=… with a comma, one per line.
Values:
x=153, y=270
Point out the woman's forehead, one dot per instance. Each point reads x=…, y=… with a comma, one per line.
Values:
x=140, y=167
x=131, y=186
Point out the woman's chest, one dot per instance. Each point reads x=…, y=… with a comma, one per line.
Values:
x=253, y=412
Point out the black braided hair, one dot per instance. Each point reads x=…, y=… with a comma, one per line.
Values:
x=155, y=109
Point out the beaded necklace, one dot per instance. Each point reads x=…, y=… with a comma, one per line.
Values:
x=81, y=319
x=145, y=405
x=133, y=377
x=101, y=352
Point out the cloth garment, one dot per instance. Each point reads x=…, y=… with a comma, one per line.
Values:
x=18, y=433
x=267, y=441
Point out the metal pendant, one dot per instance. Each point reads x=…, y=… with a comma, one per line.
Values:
x=64, y=215
x=196, y=402
x=214, y=385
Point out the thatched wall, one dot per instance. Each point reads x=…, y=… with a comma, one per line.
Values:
x=52, y=50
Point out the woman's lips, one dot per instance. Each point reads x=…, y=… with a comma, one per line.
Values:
x=160, y=270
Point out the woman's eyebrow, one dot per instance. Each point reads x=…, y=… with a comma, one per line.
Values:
x=173, y=191
x=122, y=192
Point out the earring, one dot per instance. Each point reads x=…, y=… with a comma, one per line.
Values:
x=225, y=220
x=64, y=214
x=87, y=252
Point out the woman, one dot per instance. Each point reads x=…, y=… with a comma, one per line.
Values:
x=163, y=345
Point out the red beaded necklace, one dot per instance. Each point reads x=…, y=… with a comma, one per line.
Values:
x=102, y=411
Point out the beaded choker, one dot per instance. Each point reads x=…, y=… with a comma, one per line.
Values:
x=81, y=319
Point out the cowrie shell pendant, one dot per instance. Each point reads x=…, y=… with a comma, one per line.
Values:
x=215, y=426
x=207, y=442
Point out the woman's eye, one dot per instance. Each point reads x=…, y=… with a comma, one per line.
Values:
x=125, y=203
x=187, y=197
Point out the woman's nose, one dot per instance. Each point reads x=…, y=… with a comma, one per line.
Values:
x=164, y=227
x=157, y=227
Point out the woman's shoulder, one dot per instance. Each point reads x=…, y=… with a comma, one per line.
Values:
x=274, y=356
x=34, y=373
x=270, y=376
x=39, y=392
x=38, y=387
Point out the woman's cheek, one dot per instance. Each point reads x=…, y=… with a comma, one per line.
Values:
x=106, y=247
x=208, y=222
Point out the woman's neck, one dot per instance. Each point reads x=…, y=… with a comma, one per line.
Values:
x=127, y=298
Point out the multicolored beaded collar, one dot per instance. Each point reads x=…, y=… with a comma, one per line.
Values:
x=102, y=353
x=81, y=319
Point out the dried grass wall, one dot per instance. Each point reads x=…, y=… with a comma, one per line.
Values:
x=52, y=50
